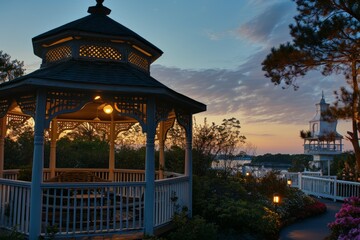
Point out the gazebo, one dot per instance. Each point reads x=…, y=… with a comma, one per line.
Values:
x=94, y=70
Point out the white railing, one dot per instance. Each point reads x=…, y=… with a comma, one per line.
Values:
x=93, y=208
x=15, y=205
x=324, y=186
x=171, y=195
x=11, y=174
x=120, y=175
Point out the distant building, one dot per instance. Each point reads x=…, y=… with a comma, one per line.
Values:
x=233, y=164
x=322, y=141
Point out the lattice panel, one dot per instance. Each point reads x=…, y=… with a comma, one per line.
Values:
x=100, y=52
x=59, y=53
x=134, y=107
x=120, y=127
x=64, y=102
x=162, y=111
x=27, y=104
x=100, y=127
x=16, y=119
x=4, y=106
x=138, y=61
x=66, y=125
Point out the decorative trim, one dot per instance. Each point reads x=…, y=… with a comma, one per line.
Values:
x=27, y=104
x=4, y=106
x=162, y=112
x=12, y=118
x=183, y=118
x=66, y=125
x=120, y=127
x=134, y=107
x=64, y=102
x=168, y=123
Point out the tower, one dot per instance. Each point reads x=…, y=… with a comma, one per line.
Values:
x=322, y=141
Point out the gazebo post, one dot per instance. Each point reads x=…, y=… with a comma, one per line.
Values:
x=38, y=159
x=54, y=136
x=161, y=138
x=112, y=149
x=188, y=162
x=2, y=144
x=150, y=167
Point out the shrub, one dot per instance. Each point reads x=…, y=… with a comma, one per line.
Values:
x=347, y=223
x=194, y=229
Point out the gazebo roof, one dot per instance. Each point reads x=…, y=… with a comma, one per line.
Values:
x=94, y=57
x=95, y=24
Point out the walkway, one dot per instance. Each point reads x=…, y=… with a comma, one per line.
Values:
x=313, y=228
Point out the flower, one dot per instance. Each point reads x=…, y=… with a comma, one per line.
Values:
x=347, y=223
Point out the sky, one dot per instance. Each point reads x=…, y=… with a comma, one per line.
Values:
x=212, y=53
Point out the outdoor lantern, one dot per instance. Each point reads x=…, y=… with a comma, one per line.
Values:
x=247, y=174
x=276, y=198
x=108, y=109
x=289, y=182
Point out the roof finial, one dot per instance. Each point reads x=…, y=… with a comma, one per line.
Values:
x=99, y=8
x=322, y=97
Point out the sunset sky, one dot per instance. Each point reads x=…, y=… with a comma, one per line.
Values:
x=212, y=53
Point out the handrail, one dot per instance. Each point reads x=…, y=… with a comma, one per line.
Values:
x=324, y=186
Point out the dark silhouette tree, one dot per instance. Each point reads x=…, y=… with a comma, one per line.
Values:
x=10, y=69
x=325, y=38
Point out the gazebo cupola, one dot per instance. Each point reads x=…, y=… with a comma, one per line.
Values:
x=95, y=37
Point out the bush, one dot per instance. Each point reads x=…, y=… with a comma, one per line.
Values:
x=347, y=223
x=194, y=229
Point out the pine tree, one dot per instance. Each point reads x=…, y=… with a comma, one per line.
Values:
x=325, y=38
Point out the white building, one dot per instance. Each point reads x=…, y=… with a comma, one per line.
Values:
x=322, y=140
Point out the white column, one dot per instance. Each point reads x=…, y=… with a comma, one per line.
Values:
x=150, y=168
x=37, y=173
x=161, y=137
x=54, y=136
x=188, y=162
x=2, y=144
x=112, y=149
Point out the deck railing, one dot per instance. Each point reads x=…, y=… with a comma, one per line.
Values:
x=324, y=186
x=120, y=175
x=78, y=209
x=171, y=195
x=90, y=209
x=15, y=205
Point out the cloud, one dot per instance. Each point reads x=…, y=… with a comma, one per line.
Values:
x=247, y=92
x=260, y=28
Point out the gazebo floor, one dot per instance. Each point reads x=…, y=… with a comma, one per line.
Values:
x=132, y=236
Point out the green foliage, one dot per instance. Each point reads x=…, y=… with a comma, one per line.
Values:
x=211, y=140
x=13, y=234
x=10, y=69
x=25, y=173
x=174, y=160
x=79, y=153
x=242, y=205
x=128, y=157
x=343, y=166
x=192, y=229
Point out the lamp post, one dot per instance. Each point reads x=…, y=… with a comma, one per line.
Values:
x=289, y=182
x=276, y=200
